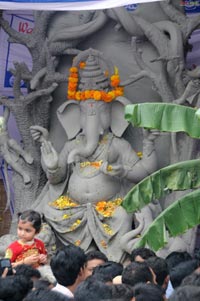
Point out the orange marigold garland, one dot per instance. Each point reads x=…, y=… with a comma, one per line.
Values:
x=93, y=94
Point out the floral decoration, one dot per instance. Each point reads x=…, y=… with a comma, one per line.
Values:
x=103, y=244
x=95, y=164
x=66, y=216
x=63, y=202
x=97, y=95
x=140, y=154
x=77, y=242
x=108, y=229
x=75, y=225
x=107, y=208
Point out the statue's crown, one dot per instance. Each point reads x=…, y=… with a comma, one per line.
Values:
x=89, y=79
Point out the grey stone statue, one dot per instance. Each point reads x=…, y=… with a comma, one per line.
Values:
x=86, y=163
x=88, y=179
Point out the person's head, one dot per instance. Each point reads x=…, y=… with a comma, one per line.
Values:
x=176, y=257
x=92, y=289
x=42, y=284
x=180, y=271
x=68, y=265
x=136, y=272
x=147, y=291
x=15, y=287
x=27, y=271
x=192, y=279
x=160, y=268
x=29, y=224
x=94, y=259
x=141, y=254
x=186, y=293
x=109, y=269
x=122, y=292
x=45, y=295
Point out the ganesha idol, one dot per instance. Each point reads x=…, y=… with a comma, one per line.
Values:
x=88, y=179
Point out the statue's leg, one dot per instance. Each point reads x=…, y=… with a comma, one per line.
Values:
x=20, y=151
x=19, y=169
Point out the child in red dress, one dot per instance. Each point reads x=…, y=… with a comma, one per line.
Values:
x=27, y=249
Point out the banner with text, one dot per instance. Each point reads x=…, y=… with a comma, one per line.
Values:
x=66, y=4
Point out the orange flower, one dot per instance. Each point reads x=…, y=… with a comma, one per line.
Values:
x=107, y=209
x=74, y=75
x=87, y=94
x=115, y=83
x=72, y=86
x=78, y=95
x=82, y=95
x=82, y=65
x=97, y=95
x=73, y=69
x=73, y=79
x=119, y=92
x=114, y=77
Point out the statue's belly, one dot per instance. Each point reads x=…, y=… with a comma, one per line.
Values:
x=97, y=188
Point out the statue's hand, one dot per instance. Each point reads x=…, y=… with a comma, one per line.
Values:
x=39, y=133
x=49, y=156
x=150, y=135
x=115, y=170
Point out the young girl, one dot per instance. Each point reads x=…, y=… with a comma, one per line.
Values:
x=27, y=249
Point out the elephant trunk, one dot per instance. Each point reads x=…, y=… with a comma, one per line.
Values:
x=130, y=238
x=92, y=139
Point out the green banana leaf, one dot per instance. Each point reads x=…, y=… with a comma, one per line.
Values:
x=180, y=176
x=165, y=117
x=175, y=220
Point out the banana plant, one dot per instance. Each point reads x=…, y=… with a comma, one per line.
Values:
x=184, y=213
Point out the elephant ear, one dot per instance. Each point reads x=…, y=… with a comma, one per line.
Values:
x=118, y=121
x=69, y=116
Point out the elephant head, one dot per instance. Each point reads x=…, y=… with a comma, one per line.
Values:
x=93, y=119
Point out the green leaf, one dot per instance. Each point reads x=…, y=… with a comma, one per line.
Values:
x=164, y=117
x=180, y=176
x=177, y=219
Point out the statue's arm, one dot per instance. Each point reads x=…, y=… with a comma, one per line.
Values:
x=135, y=168
x=54, y=164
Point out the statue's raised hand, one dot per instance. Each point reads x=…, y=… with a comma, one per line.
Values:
x=39, y=133
x=49, y=155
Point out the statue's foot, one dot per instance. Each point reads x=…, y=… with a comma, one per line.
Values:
x=26, y=178
x=28, y=158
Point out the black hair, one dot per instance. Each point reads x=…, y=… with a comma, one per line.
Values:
x=186, y=293
x=145, y=253
x=42, y=284
x=176, y=257
x=192, y=279
x=33, y=217
x=95, y=254
x=110, y=268
x=160, y=268
x=27, y=270
x=92, y=289
x=123, y=292
x=14, y=287
x=180, y=271
x=46, y=295
x=67, y=263
x=136, y=272
x=147, y=291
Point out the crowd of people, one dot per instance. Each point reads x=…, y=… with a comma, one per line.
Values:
x=72, y=274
